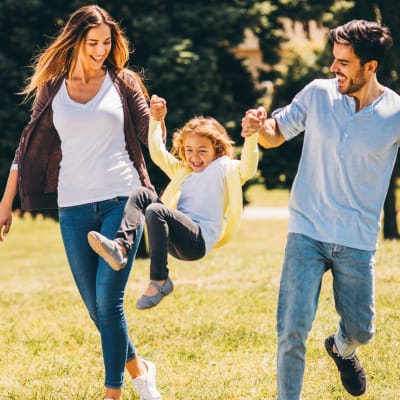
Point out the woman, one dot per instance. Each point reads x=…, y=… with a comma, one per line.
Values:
x=81, y=153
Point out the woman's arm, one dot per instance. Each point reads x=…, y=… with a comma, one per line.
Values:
x=137, y=105
x=7, y=202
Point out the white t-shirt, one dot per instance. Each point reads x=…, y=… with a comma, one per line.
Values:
x=95, y=164
x=203, y=195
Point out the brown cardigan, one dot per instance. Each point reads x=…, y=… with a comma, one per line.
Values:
x=39, y=151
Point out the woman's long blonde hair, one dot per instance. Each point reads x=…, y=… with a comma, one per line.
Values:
x=60, y=57
x=207, y=127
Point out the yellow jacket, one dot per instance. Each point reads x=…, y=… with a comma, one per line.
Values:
x=237, y=174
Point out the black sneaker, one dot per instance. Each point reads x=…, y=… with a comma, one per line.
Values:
x=351, y=371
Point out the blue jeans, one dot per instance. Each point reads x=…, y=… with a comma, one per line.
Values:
x=306, y=261
x=102, y=289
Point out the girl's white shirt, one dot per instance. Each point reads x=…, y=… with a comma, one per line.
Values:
x=95, y=164
x=203, y=195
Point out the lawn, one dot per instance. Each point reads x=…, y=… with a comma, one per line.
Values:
x=213, y=338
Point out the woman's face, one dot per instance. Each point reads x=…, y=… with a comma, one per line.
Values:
x=95, y=48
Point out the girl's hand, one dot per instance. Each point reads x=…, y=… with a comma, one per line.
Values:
x=158, y=107
x=253, y=121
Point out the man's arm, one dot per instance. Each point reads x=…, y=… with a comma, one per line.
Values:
x=269, y=135
x=256, y=120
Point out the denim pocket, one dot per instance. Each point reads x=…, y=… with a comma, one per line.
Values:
x=119, y=199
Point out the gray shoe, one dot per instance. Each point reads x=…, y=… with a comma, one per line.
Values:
x=108, y=249
x=150, y=301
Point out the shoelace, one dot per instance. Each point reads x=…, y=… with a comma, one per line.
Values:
x=349, y=363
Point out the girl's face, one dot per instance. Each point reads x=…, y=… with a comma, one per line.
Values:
x=95, y=48
x=199, y=152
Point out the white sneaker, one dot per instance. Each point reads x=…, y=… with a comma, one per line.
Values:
x=146, y=384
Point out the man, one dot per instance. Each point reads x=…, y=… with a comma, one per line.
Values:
x=352, y=134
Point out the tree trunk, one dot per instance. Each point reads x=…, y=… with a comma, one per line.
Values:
x=390, y=230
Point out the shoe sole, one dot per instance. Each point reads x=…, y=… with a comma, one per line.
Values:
x=96, y=245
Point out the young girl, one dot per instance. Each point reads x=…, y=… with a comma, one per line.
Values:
x=200, y=208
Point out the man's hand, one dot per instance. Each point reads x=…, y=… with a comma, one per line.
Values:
x=253, y=121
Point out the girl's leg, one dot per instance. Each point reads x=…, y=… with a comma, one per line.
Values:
x=115, y=251
x=170, y=230
x=134, y=210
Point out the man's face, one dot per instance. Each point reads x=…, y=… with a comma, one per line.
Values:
x=351, y=75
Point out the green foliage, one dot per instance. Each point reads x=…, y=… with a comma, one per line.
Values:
x=278, y=166
x=184, y=49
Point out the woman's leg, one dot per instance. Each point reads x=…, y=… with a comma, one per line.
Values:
x=75, y=222
x=110, y=291
x=133, y=214
x=101, y=288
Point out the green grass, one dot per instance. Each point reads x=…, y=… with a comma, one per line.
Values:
x=213, y=338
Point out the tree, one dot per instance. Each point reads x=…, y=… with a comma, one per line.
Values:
x=184, y=48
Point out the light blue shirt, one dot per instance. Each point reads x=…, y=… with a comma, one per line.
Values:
x=203, y=196
x=346, y=163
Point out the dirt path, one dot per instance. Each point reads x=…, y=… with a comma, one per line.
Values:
x=265, y=213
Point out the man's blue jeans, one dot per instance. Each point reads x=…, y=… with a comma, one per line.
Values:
x=306, y=261
x=102, y=289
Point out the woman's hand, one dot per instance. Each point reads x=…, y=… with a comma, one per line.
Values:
x=5, y=222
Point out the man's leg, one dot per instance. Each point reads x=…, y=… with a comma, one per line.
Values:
x=300, y=287
x=353, y=284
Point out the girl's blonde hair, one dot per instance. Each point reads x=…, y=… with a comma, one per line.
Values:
x=207, y=127
x=60, y=57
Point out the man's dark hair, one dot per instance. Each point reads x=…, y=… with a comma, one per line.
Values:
x=369, y=40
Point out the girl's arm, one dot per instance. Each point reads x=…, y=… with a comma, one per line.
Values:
x=249, y=158
x=157, y=135
x=158, y=110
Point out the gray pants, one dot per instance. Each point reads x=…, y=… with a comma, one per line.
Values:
x=169, y=231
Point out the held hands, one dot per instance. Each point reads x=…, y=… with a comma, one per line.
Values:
x=158, y=107
x=253, y=121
